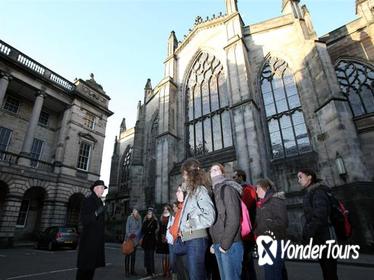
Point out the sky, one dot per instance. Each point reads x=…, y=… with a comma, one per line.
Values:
x=124, y=42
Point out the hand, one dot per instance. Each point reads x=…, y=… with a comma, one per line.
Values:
x=99, y=211
x=222, y=251
x=211, y=250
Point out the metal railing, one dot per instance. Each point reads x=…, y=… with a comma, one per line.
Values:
x=24, y=61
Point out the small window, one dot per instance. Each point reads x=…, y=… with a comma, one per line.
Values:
x=43, y=118
x=36, y=150
x=89, y=120
x=84, y=156
x=23, y=211
x=11, y=104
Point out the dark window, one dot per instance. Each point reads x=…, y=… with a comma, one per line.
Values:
x=43, y=118
x=11, y=104
x=287, y=130
x=208, y=119
x=356, y=81
x=5, y=134
x=84, y=156
x=36, y=150
x=23, y=211
x=125, y=168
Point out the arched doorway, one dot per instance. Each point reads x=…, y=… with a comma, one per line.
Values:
x=74, y=208
x=28, y=221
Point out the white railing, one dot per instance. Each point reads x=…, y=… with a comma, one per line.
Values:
x=4, y=49
x=62, y=82
x=31, y=64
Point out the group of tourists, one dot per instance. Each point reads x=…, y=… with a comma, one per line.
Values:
x=200, y=235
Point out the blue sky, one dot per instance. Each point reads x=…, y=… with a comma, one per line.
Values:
x=123, y=42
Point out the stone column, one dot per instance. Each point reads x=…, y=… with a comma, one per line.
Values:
x=4, y=82
x=27, y=143
x=59, y=155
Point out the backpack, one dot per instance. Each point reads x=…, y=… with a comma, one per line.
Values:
x=245, y=220
x=339, y=218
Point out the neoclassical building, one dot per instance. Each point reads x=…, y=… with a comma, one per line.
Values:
x=267, y=98
x=51, y=143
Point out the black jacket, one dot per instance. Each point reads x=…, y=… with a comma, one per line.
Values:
x=91, y=253
x=272, y=216
x=149, y=231
x=317, y=210
x=226, y=228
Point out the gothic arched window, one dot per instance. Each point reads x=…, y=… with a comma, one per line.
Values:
x=125, y=167
x=208, y=120
x=288, y=133
x=356, y=81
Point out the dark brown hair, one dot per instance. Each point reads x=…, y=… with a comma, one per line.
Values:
x=241, y=173
x=196, y=176
x=310, y=172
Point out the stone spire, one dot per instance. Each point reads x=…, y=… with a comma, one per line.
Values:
x=148, y=88
x=123, y=125
x=172, y=43
x=292, y=7
x=231, y=6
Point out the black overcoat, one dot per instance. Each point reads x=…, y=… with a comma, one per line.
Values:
x=91, y=252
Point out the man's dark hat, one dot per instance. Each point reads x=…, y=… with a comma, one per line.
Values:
x=98, y=183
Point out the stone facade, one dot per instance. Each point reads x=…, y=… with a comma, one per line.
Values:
x=267, y=98
x=51, y=142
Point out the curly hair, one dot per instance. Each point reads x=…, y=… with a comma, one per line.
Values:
x=196, y=176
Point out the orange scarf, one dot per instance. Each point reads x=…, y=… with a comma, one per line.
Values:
x=174, y=229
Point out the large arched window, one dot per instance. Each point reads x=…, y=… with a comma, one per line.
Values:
x=125, y=168
x=356, y=81
x=208, y=120
x=288, y=133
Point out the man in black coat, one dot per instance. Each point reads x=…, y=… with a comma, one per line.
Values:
x=91, y=252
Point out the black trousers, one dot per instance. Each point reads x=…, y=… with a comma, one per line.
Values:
x=328, y=266
x=131, y=258
x=85, y=274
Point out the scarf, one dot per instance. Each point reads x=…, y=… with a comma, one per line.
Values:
x=218, y=179
x=269, y=194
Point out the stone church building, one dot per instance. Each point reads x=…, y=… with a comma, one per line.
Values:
x=267, y=98
x=51, y=143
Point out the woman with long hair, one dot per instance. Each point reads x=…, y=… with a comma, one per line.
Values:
x=132, y=231
x=149, y=228
x=198, y=215
x=162, y=244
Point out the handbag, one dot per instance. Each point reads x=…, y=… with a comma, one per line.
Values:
x=127, y=247
x=179, y=247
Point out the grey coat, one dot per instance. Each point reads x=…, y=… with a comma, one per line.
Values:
x=133, y=226
x=198, y=211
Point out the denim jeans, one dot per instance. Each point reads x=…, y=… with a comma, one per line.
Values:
x=230, y=263
x=195, y=257
x=172, y=259
x=276, y=271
